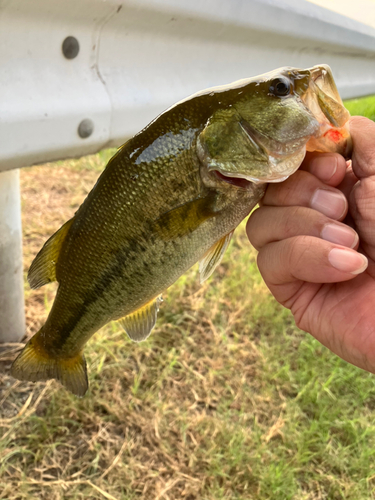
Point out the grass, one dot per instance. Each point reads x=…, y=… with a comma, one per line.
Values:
x=364, y=107
x=226, y=400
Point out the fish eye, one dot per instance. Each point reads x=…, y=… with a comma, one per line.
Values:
x=280, y=87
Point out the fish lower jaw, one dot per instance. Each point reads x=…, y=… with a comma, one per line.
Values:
x=238, y=181
x=279, y=169
x=245, y=182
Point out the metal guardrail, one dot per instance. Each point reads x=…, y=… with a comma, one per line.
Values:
x=124, y=63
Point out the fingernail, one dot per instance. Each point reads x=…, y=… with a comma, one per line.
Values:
x=333, y=204
x=348, y=261
x=340, y=234
x=324, y=167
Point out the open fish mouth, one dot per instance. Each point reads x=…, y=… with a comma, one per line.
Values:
x=240, y=182
x=324, y=102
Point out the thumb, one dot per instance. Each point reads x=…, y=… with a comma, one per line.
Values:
x=362, y=131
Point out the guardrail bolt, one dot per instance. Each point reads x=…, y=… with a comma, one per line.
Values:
x=85, y=128
x=70, y=47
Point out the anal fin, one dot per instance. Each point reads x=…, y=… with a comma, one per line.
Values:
x=138, y=325
x=34, y=364
x=212, y=258
x=43, y=267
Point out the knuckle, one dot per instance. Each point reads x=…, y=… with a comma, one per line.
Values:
x=292, y=220
x=299, y=312
x=298, y=183
x=252, y=227
x=363, y=129
x=289, y=191
x=299, y=247
x=364, y=198
x=303, y=221
x=262, y=263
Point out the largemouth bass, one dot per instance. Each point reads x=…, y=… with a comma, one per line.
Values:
x=171, y=196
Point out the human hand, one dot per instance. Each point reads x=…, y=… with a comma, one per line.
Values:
x=315, y=265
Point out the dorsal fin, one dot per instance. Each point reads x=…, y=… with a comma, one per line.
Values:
x=43, y=267
x=212, y=258
x=138, y=325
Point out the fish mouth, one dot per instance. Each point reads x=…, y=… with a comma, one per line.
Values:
x=325, y=104
x=239, y=182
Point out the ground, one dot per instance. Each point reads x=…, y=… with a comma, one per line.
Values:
x=226, y=400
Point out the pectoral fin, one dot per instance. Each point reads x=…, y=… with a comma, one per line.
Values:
x=139, y=324
x=43, y=267
x=212, y=258
x=186, y=218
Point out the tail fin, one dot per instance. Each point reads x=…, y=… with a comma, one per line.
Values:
x=34, y=364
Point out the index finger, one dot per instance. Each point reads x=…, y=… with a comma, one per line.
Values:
x=362, y=131
x=327, y=167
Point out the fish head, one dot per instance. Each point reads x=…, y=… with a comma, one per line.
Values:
x=262, y=127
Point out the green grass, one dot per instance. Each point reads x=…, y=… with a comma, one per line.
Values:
x=364, y=107
x=226, y=400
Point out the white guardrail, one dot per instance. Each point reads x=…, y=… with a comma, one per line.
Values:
x=80, y=75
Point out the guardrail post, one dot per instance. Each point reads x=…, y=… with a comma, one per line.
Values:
x=12, y=315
